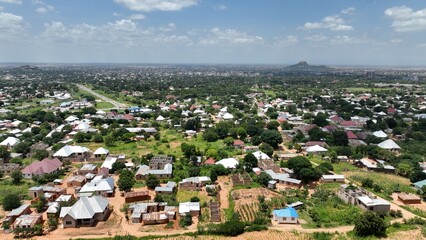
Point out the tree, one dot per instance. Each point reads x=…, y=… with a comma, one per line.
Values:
x=217, y=170
x=320, y=120
x=229, y=141
x=309, y=174
x=327, y=166
x=40, y=204
x=152, y=181
x=11, y=201
x=186, y=220
x=272, y=137
x=367, y=182
x=109, y=141
x=22, y=147
x=188, y=150
x=126, y=180
x=339, y=138
x=267, y=149
x=116, y=167
x=316, y=134
x=210, y=135
x=264, y=178
x=241, y=132
x=195, y=199
x=16, y=177
x=298, y=163
x=249, y=162
x=41, y=154
x=417, y=176
x=370, y=223
x=98, y=138
x=4, y=153
x=273, y=125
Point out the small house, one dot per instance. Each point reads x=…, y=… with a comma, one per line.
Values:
x=285, y=216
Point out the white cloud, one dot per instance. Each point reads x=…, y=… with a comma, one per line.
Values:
x=157, y=5
x=334, y=23
x=232, y=36
x=286, y=41
x=220, y=7
x=1, y=8
x=12, y=1
x=11, y=26
x=350, y=40
x=348, y=11
x=43, y=7
x=116, y=14
x=137, y=16
x=405, y=19
x=43, y=10
x=396, y=41
x=316, y=38
x=168, y=28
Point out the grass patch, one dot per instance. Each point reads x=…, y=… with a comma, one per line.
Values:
x=6, y=187
x=103, y=105
x=414, y=210
x=185, y=196
x=342, y=167
x=388, y=182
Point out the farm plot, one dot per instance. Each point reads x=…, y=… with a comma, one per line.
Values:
x=247, y=212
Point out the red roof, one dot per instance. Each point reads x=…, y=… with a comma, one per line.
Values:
x=238, y=143
x=210, y=161
x=281, y=120
x=128, y=117
x=391, y=110
x=260, y=104
x=348, y=123
x=336, y=119
x=42, y=167
x=216, y=106
x=351, y=135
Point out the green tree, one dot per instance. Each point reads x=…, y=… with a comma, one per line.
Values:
x=264, y=178
x=272, y=125
x=16, y=177
x=4, y=153
x=116, y=167
x=109, y=141
x=98, y=138
x=267, y=149
x=298, y=163
x=126, y=180
x=249, y=162
x=22, y=147
x=339, y=138
x=320, y=120
x=241, y=132
x=152, y=181
x=229, y=141
x=41, y=154
x=272, y=137
x=369, y=224
x=210, y=135
x=185, y=220
x=367, y=182
x=11, y=201
x=195, y=199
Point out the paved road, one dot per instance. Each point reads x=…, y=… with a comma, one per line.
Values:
x=113, y=102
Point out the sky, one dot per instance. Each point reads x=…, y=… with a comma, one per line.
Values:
x=331, y=32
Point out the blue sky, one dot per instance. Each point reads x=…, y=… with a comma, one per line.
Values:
x=334, y=32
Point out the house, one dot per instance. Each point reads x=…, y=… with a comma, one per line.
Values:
x=192, y=208
x=313, y=143
x=10, y=142
x=136, y=196
x=169, y=188
x=145, y=170
x=210, y=161
x=152, y=213
x=27, y=221
x=76, y=181
x=72, y=153
x=159, y=162
x=316, y=149
x=101, y=153
x=285, y=215
x=283, y=178
x=45, y=166
x=15, y=213
x=332, y=178
x=49, y=192
x=194, y=183
x=380, y=134
x=88, y=169
x=230, y=163
x=268, y=164
x=85, y=212
x=261, y=155
x=389, y=145
x=108, y=162
x=7, y=168
x=238, y=144
x=99, y=186
x=359, y=197
x=375, y=165
x=409, y=198
x=419, y=185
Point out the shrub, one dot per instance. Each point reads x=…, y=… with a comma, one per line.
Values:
x=11, y=201
x=370, y=223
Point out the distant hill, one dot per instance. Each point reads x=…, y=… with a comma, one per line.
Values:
x=305, y=67
x=27, y=68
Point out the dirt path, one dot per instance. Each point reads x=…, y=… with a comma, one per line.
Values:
x=225, y=186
